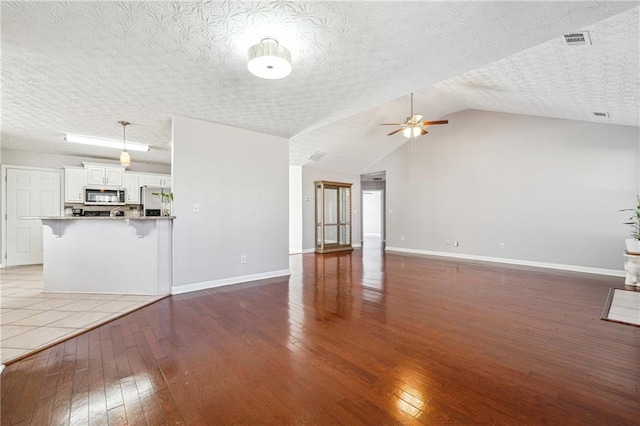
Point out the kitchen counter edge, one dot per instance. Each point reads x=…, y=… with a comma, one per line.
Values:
x=97, y=218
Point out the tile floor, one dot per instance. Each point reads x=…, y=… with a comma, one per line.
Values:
x=31, y=319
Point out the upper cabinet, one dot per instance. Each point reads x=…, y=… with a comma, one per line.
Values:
x=132, y=187
x=75, y=179
x=109, y=176
x=103, y=175
x=163, y=181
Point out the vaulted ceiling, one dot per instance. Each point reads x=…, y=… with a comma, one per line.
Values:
x=79, y=67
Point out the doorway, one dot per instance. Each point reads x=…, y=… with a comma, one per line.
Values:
x=372, y=213
x=28, y=192
x=373, y=208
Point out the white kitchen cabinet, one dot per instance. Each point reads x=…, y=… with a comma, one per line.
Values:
x=132, y=187
x=163, y=181
x=102, y=175
x=74, y=182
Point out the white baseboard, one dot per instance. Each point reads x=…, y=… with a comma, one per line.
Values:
x=573, y=268
x=228, y=281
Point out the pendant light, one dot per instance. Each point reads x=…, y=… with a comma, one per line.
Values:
x=125, y=158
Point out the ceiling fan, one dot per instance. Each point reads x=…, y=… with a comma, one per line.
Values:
x=413, y=125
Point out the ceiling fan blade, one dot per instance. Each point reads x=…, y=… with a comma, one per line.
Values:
x=422, y=132
x=391, y=124
x=430, y=123
x=395, y=131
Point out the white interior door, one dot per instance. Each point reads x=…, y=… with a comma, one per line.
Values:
x=29, y=193
x=372, y=213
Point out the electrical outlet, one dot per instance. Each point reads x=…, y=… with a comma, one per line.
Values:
x=447, y=242
x=243, y=259
x=503, y=246
x=401, y=238
x=196, y=207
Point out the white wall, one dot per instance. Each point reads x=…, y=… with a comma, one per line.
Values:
x=311, y=175
x=295, y=209
x=240, y=179
x=549, y=189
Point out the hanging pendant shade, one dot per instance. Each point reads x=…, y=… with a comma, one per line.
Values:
x=125, y=158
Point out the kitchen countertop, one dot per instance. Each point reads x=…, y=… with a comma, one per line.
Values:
x=98, y=217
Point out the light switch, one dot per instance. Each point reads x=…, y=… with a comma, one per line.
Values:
x=196, y=207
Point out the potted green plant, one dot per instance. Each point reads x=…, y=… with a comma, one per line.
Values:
x=633, y=244
x=166, y=198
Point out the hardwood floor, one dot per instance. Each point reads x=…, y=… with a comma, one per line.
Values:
x=359, y=338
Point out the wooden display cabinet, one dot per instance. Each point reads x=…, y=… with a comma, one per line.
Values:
x=333, y=217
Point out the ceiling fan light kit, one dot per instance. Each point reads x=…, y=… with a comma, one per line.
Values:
x=269, y=60
x=408, y=130
x=413, y=125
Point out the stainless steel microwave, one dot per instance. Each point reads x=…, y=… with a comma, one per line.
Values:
x=94, y=196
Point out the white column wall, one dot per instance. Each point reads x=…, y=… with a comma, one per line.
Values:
x=240, y=180
x=295, y=209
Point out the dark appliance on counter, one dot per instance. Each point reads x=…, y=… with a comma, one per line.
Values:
x=151, y=204
x=76, y=211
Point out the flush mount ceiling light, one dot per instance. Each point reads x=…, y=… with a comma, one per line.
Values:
x=105, y=143
x=269, y=60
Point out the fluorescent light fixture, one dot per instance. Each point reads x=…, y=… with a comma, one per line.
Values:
x=106, y=143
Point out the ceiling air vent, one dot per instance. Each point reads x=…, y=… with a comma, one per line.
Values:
x=316, y=156
x=601, y=114
x=577, y=39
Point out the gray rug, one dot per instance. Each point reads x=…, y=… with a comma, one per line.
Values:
x=622, y=306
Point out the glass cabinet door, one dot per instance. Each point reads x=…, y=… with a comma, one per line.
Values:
x=333, y=216
x=345, y=216
x=330, y=215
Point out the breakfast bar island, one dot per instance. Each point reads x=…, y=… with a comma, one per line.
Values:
x=107, y=255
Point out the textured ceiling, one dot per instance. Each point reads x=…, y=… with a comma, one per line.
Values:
x=80, y=67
